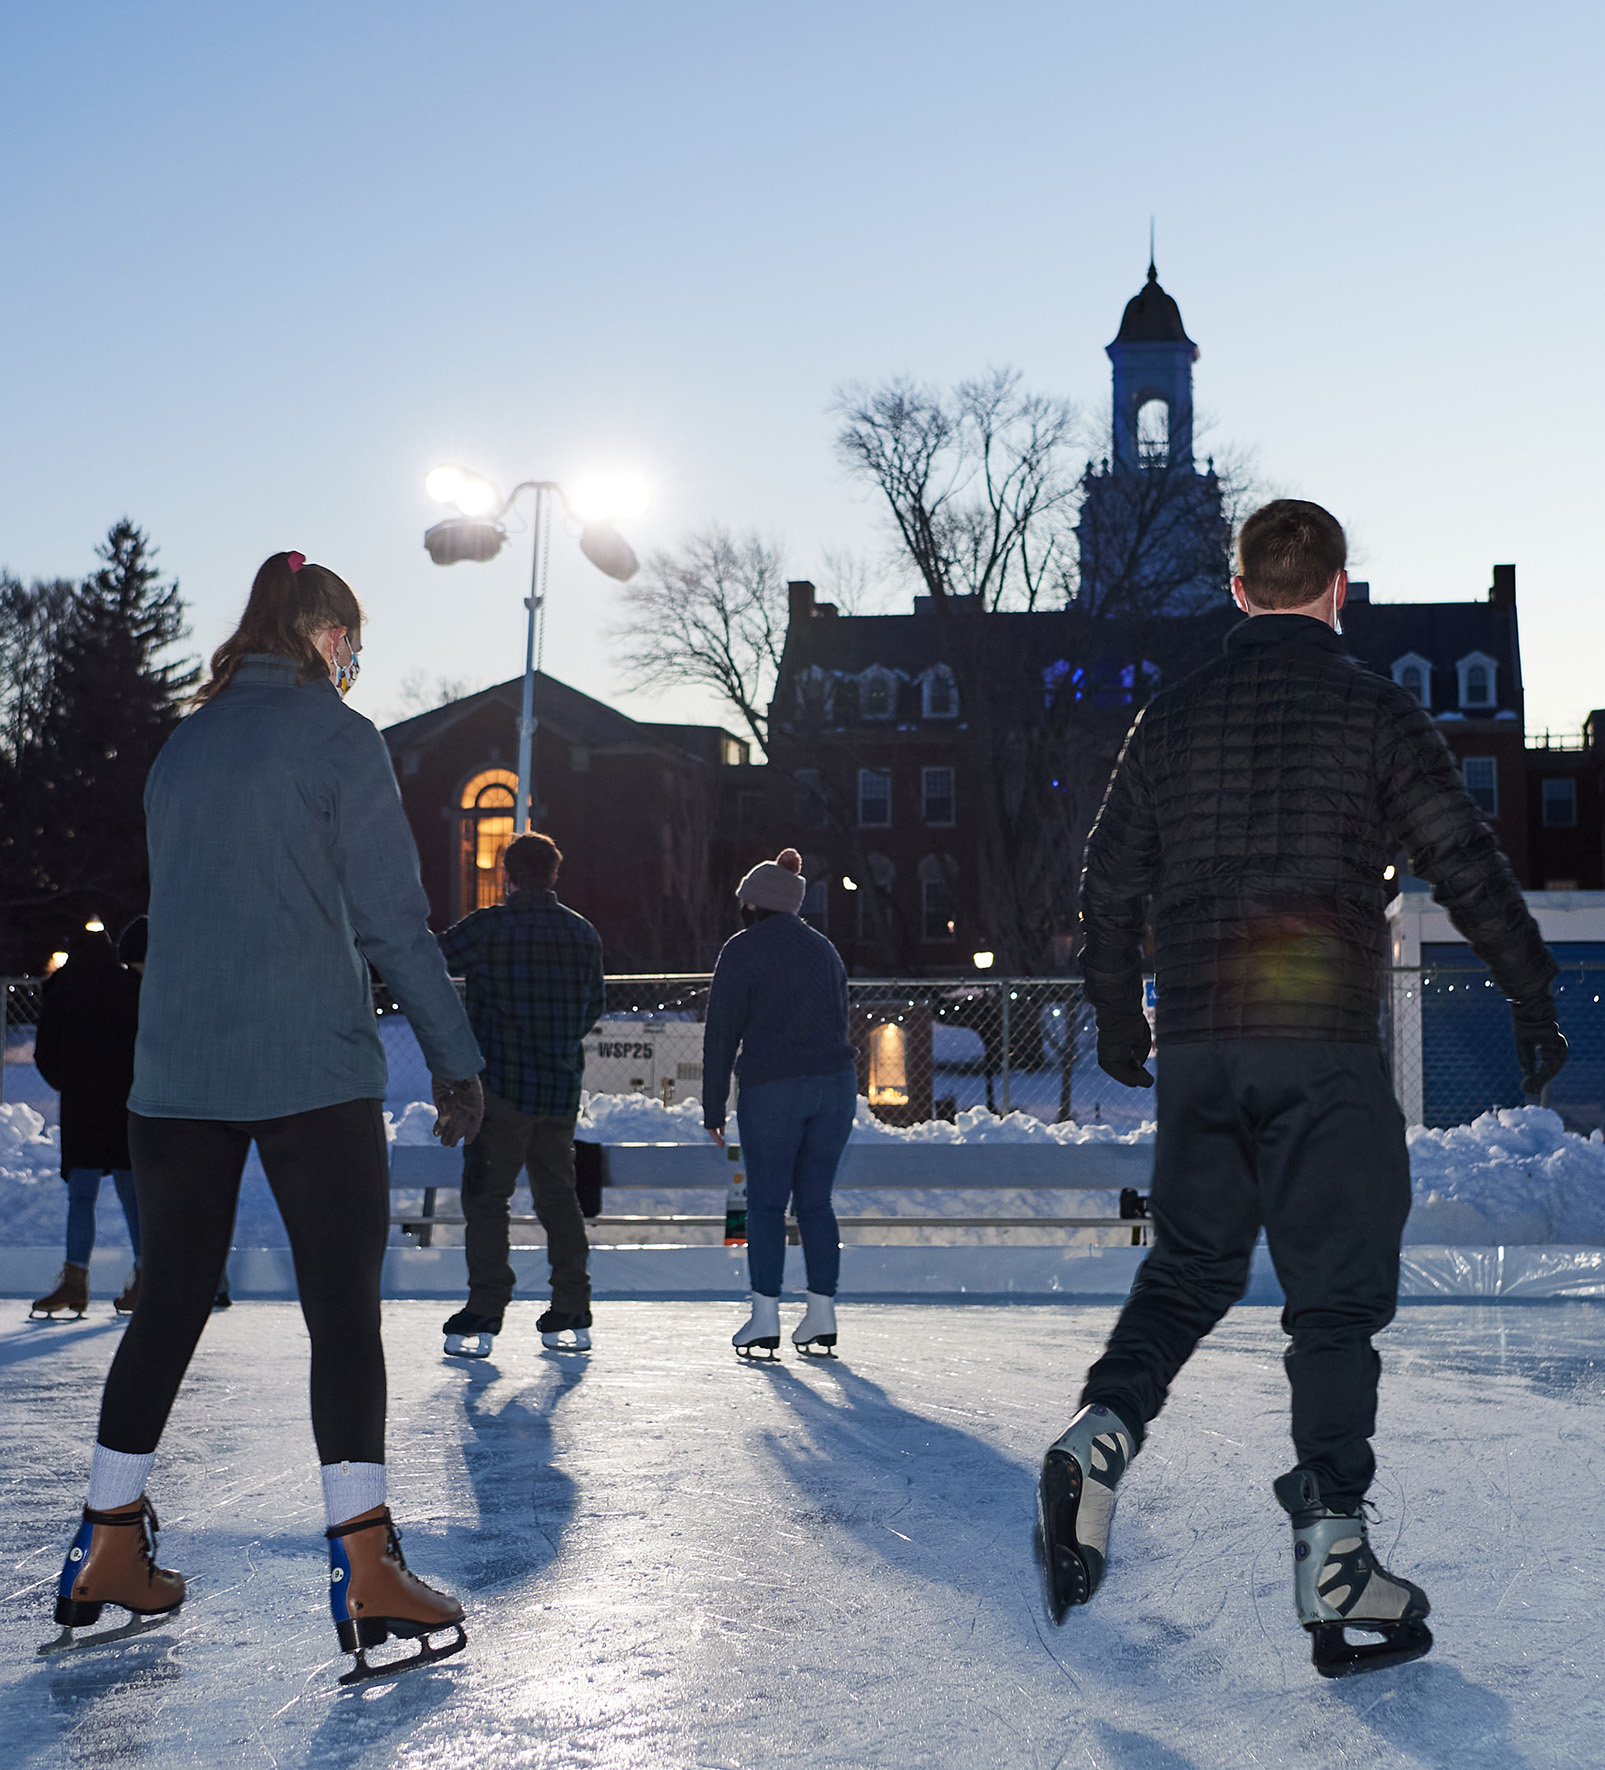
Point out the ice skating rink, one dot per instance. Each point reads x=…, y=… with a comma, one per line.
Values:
x=671, y=1559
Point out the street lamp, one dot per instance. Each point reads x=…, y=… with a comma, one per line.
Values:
x=476, y=533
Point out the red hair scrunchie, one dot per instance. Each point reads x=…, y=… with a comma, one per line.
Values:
x=297, y=560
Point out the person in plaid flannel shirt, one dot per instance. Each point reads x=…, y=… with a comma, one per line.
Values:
x=534, y=973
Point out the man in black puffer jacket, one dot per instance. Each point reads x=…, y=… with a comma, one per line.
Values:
x=1257, y=804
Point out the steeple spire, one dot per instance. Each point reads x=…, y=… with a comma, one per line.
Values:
x=1153, y=275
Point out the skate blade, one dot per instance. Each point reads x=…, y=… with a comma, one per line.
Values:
x=820, y=1348
x=469, y=1345
x=1334, y=1656
x=426, y=1655
x=55, y=1316
x=764, y=1351
x=579, y=1340
x=1065, y=1580
x=67, y=1642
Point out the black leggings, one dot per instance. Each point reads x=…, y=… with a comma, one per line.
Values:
x=329, y=1171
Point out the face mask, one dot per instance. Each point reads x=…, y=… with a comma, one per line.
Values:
x=345, y=675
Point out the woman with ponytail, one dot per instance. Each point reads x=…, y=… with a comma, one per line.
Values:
x=281, y=868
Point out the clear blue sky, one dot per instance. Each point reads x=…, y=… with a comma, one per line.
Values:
x=267, y=265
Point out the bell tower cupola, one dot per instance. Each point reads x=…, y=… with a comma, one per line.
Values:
x=1153, y=381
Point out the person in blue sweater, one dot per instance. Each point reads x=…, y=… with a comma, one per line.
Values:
x=779, y=996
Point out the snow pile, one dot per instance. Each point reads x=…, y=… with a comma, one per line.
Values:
x=1511, y=1176
x=638, y=1118
x=29, y=1151
x=978, y=1125
x=414, y=1127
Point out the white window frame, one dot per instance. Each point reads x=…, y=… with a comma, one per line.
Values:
x=952, y=797
x=879, y=774
x=1568, y=798
x=1413, y=660
x=877, y=674
x=1463, y=670
x=1492, y=787
x=939, y=673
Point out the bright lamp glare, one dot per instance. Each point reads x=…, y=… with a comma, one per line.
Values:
x=630, y=496
x=472, y=495
x=599, y=498
x=476, y=497
x=983, y=961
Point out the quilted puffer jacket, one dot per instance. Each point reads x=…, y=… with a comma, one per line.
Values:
x=1257, y=803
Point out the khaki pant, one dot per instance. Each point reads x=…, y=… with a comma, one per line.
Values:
x=508, y=1141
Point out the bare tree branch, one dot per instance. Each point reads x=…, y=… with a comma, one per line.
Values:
x=711, y=614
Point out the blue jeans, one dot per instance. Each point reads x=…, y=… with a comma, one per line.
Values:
x=83, y=1188
x=792, y=1137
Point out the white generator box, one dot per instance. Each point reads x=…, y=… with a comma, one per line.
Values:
x=662, y=1058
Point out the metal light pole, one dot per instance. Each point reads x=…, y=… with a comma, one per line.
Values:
x=478, y=535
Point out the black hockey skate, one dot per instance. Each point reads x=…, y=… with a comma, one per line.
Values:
x=1339, y=1584
x=1076, y=1505
x=469, y=1335
x=565, y=1330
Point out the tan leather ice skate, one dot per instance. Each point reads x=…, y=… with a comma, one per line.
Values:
x=71, y=1295
x=373, y=1595
x=113, y=1561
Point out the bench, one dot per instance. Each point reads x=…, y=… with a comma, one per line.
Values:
x=663, y=1167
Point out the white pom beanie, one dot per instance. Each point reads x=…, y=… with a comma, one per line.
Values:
x=776, y=884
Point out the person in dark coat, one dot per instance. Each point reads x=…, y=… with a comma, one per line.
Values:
x=84, y=1049
x=1259, y=806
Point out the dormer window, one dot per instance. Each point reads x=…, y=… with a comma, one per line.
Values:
x=1478, y=675
x=1413, y=673
x=877, y=694
x=939, y=695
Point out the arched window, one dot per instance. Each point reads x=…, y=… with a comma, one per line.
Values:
x=1478, y=674
x=1153, y=430
x=939, y=693
x=877, y=693
x=939, y=910
x=485, y=827
x=1413, y=673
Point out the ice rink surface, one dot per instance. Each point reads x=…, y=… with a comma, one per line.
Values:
x=670, y=1559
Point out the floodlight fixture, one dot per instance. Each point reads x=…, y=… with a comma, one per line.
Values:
x=983, y=961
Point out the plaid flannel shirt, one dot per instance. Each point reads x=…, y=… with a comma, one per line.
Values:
x=534, y=971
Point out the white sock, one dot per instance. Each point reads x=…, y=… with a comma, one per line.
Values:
x=116, y=1478
x=350, y=1489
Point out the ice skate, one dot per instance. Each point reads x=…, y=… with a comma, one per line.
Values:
x=469, y=1335
x=815, y=1334
x=374, y=1595
x=1338, y=1584
x=1076, y=1505
x=565, y=1330
x=759, y=1336
x=113, y=1561
x=126, y=1303
x=70, y=1297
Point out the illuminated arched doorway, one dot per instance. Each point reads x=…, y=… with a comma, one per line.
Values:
x=484, y=828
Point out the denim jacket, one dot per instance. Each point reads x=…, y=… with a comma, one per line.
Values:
x=281, y=866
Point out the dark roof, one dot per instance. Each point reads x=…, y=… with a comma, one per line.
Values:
x=1441, y=632
x=1152, y=317
x=572, y=715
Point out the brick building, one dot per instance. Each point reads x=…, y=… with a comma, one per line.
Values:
x=637, y=809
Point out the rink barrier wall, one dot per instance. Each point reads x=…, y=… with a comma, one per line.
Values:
x=1034, y=1274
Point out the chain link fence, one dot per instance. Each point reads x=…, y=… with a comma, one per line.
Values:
x=934, y=1048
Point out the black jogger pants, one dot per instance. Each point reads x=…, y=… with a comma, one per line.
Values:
x=1305, y=1139
x=329, y=1170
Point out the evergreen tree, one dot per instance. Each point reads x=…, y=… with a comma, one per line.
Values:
x=72, y=831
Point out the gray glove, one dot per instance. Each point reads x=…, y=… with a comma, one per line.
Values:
x=459, y=1109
